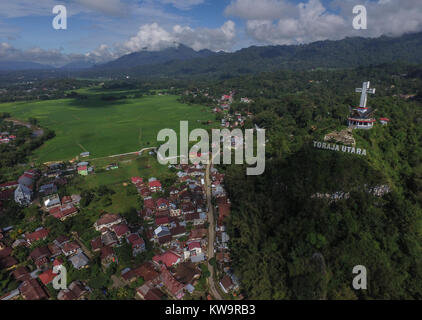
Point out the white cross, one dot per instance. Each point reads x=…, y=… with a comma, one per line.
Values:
x=364, y=96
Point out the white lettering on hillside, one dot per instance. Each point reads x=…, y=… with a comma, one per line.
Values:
x=336, y=147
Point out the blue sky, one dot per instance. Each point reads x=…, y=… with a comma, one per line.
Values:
x=101, y=30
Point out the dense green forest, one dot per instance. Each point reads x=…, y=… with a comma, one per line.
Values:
x=346, y=53
x=288, y=244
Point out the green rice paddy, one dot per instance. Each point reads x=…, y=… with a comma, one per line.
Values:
x=105, y=127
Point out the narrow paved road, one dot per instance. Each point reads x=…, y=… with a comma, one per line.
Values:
x=211, y=233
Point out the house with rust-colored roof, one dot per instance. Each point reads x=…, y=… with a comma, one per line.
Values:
x=137, y=243
x=39, y=234
x=172, y=285
x=168, y=258
x=121, y=230
x=107, y=221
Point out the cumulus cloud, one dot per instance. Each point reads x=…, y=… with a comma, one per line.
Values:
x=283, y=22
x=150, y=37
x=386, y=17
x=154, y=37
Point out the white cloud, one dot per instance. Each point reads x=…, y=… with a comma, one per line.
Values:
x=386, y=17
x=154, y=37
x=283, y=22
x=150, y=36
x=101, y=54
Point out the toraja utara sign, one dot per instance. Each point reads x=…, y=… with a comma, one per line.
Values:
x=336, y=147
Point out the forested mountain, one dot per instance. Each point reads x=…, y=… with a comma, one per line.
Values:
x=142, y=58
x=288, y=244
x=346, y=53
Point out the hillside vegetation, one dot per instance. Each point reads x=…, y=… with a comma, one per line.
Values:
x=288, y=244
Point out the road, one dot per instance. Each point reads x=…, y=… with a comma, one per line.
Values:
x=211, y=233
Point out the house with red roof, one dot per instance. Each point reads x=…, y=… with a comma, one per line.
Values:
x=32, y=290
x=149, y=203
x=70, y=248
x=107, y=221
x=144, y=192
x=162, y=221
x=64, y=211
x=168, y=258
x=9, y=185
x=39, y=234
x=223, y=212
x=146, y=292
x=137, y=180
x=108, y=256
x=174, y=287
x=96, y=244
x=121, y=230
x=384, y=121
x=155, y=186
x=137, y=243
x=47, y=276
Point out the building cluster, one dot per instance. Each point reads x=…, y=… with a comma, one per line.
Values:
x=228, y=282
x=114, y=232
x=61, y=208
x=177, y=225
x=38, y=185
x=231, y=120
x=44, y=257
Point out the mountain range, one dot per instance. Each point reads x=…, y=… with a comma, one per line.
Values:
x=182, y=61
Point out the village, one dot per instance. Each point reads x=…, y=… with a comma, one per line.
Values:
x=173, y=231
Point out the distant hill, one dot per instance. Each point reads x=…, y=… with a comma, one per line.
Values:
x=185, y=62
x=22, y=65
x=78, y=65
x=142, y=58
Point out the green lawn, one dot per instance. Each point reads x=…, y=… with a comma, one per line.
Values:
x=105, y=127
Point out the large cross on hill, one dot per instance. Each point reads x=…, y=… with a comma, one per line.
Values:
x=364, y=96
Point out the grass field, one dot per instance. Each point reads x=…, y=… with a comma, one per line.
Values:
x=105, y=127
